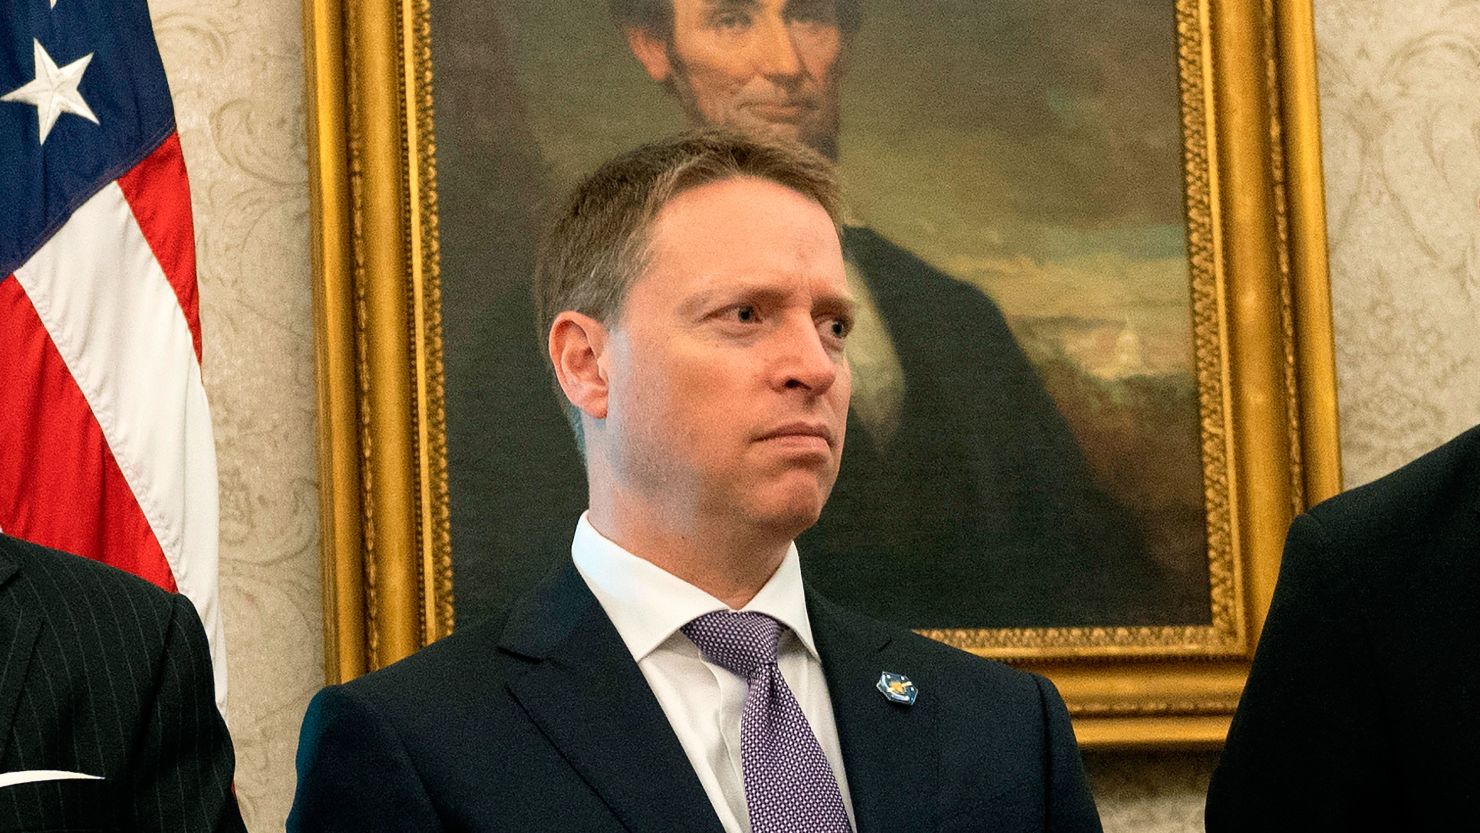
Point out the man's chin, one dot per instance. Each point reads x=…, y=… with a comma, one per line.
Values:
x=791, y=515
x=791, y=526
x=805, y=132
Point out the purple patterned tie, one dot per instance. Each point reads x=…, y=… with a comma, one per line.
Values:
x=789, y=786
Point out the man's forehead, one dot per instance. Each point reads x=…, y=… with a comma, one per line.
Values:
x=747, y=234
x=726, y=194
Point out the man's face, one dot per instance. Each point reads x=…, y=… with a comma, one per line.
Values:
x=728, y=389
x=765, y=66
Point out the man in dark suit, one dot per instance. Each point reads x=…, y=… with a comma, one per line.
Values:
x=108, y=718
x=676, y=674
x=1361, y=708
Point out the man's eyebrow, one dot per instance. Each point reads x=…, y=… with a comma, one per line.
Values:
x=700, y=302
x=844, y=305
x=712, y=6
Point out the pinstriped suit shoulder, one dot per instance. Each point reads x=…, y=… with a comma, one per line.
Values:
x=104, y=674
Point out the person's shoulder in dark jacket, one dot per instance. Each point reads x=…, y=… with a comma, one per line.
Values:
x=106, y=675
x=1359, y=709
x=82, y=582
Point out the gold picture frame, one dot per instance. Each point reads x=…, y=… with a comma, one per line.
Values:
x=1265, y=359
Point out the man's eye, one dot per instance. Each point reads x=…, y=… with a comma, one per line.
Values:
x=840, y=327
x=730, y=20
x=745, y=314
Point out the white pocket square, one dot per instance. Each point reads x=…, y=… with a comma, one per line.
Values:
x=27, y=776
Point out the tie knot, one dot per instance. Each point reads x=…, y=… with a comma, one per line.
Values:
x=739, y=642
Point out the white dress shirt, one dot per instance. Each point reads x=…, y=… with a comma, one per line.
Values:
x=704, y=702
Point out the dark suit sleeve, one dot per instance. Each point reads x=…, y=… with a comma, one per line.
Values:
x=354, y=773
x=1302, y=749
x=182, y=781
x=1071, y=808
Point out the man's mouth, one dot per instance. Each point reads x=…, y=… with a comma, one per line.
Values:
x=786, y=112
x=800, y=434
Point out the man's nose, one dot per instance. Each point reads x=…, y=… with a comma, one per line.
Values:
x=776, y=53
x=804, y=361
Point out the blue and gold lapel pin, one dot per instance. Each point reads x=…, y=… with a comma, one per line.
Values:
x=897, y=688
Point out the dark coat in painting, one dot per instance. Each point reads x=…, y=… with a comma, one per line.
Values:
x=982, y=512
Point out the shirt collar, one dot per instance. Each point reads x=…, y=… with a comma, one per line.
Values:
x=648, y=604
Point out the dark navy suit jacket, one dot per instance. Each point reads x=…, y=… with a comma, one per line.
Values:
x=1362, y=710
x=541, y=720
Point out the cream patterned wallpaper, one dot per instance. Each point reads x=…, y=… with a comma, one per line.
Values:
x=1402, y=135
x=1401, y=126
x=236, y=69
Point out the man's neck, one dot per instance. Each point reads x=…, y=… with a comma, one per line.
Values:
x=728, y=565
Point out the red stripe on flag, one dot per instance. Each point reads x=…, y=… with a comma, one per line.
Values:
x=158, y=191
x=59, y=483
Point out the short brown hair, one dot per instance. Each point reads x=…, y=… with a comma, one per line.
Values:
x=596, y=245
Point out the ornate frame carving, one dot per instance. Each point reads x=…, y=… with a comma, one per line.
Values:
x=1265, y=358
x=383, y=483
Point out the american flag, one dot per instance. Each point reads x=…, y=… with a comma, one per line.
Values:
x=105, y=437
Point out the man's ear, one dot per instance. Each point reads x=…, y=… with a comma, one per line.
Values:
x=651, y=51
x=576, y=344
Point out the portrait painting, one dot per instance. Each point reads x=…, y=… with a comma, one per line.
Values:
x=1092, y=369
x=1024, y=448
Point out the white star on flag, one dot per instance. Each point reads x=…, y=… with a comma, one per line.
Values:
x=53, y=91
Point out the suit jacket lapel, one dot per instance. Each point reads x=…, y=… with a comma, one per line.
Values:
x=586, y=694
x=18, y=632
x=889, y=750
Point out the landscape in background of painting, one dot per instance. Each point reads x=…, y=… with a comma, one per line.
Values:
x=1030, y=149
